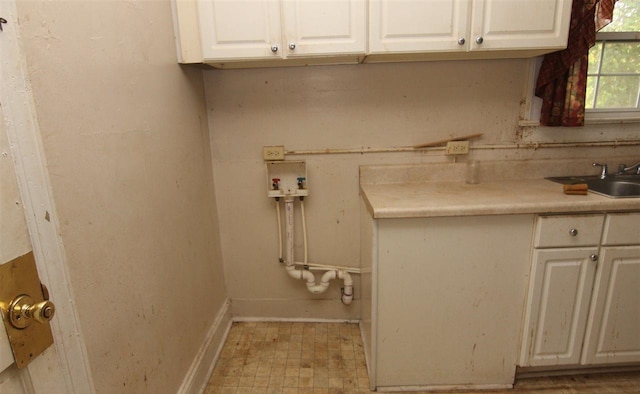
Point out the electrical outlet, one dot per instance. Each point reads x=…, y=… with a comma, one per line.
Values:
x=273, y=153
x=457, y=148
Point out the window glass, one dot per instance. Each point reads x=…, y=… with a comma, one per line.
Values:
x=621, y=57
x=594, y=56
x=618, y=92
x=613, y=81
x=626, y=17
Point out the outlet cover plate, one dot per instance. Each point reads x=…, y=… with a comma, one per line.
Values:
x=457, y=148
x=273, y=153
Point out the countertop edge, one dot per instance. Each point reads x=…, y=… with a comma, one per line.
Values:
x=439, y=199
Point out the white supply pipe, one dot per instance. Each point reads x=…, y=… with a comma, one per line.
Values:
x=305, y=274
x=325, y=267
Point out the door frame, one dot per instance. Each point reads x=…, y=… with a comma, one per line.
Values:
x=20, y=116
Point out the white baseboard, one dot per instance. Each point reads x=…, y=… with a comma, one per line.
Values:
x=202, y=366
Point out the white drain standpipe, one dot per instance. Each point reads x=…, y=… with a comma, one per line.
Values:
x=305, y=274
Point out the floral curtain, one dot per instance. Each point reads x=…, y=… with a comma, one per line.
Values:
x=562, y=82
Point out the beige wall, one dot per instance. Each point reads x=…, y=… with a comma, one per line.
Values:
x=125, y=136
x=378, y=106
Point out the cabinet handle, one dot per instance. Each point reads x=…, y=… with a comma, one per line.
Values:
x=479, y=40
x=292, y=45
x=274, y=48
x=594, y=257
x=573, y=232
x=461, y=41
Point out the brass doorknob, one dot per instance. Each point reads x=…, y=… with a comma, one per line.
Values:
x=23, y=311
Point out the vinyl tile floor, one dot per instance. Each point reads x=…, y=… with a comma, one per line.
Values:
x=291, y=357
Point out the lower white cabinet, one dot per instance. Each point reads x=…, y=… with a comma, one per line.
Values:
x=559, y=295
x=584, y=302
x=613, y=332
x=446, y=295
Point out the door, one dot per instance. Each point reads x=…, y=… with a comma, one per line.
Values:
x=28, y=222
x=558, y=305
x=521, y=24
x=14, y=242
x=324, y=27
x=612, y=335
x=240, y=30
x=418, y=26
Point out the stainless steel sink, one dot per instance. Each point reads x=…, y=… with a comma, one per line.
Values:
x=613, y=186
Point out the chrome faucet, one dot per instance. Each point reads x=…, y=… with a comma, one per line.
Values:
x=623, y=169
x=603, y=173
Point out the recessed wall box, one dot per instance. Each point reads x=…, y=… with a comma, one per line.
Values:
x=287, y=179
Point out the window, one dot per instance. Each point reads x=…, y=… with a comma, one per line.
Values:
x=613, y=81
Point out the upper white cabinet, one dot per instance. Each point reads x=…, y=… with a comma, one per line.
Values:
x=272, y=29
x=413, y=26
x=239, y=29
x=237, y=33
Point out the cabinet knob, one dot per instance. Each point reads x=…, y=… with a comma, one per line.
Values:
x=274, y=48
x=573, y=232
x=292, y=45
x=594, y=257
x=479, y=40
x=461, y=41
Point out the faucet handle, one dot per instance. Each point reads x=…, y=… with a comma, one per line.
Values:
x=603, y=173
x=622, y=168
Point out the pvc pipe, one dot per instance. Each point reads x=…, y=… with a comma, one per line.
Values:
x=306, y=275
x=347, y=290
x=304, y=231
x=279, y=231
x=288, y=212
x=324, y=282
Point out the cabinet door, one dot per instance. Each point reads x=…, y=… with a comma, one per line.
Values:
x=405, y=26
x=448, y=296
x=237, y=30
x=324, y=27
x=558, y=305
x=519, y=24
x=613, y=334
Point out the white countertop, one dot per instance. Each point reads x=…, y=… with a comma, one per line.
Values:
x=456, y=198
x=409, y=200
